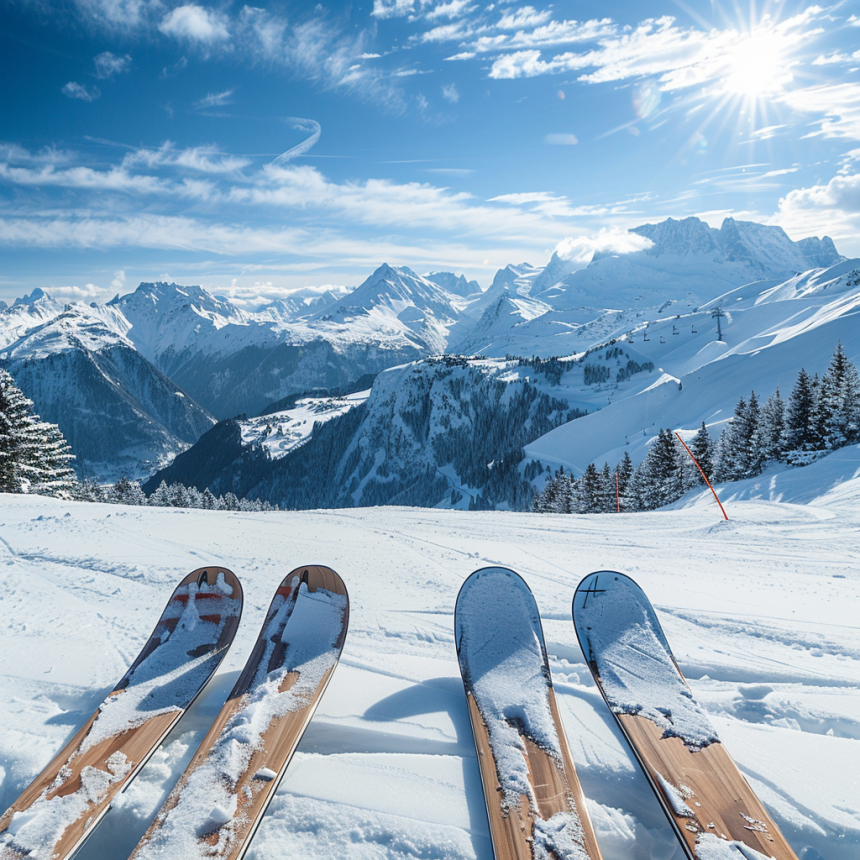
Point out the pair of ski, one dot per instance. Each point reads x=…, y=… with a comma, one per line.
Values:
x=535, y=804
x=219, y=801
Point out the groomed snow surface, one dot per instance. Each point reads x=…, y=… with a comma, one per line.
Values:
x=761, y=613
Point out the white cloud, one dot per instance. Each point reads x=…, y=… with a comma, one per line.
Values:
x=561, y=139
x=840, y=103
x=832, y=208
x=90, y=291
x=453, y=9
x=678, y=57
x=310, y=126
x=392, y=8
x=525, y=16
x=450, y=93
x=119, y=14
x=118, y=282
x=108, y=64
x=215, y=100
x=611, y=240
x=75, y=90
x=195, y=23
x=205, y=159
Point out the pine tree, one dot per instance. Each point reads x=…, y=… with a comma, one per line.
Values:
x=728, y=465
x=34, y=456
x=126, y=492
x=160, y=496
x=702, y=449
x=607, y=487
x=801, y=418
x=772, y=427
x=589, y=491
x=624, y=473
x=840, y=401
x=752, y=458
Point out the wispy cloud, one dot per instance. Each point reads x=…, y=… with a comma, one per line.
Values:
x=451, y=93
x=108, y=64
x=832, y=208
x=212, y=100
x=74, y=90
x=311, y=127
x=839, y=103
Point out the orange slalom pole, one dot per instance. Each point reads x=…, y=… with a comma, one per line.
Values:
x=703, y=474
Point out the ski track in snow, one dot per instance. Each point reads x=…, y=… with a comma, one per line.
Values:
x=760, y=613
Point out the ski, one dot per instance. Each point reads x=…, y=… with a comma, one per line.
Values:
x=535, y=805
x=712, y=809
x=219, y=802
x=58, y=811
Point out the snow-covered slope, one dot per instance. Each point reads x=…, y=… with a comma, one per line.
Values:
x=770, y=330
x=278, y=433
x=760, y=613
x=118, y=412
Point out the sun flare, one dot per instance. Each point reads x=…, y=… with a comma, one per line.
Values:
x=757, y=65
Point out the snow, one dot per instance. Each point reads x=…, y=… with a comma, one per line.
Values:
x=622, y=637
x=278, y=433
x=387, y=767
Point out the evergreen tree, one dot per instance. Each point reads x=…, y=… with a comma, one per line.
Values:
x=34, y=456
x=125, y=492
x=624, y=473
x=702, y=449
x=160, y=496
x=840, y=402
x=664, y=473
x=752, y=459
x=801, y=418
x=589, y=491
x=607, y=486
x=772, y=427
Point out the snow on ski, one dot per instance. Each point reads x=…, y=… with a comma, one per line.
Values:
x=58, y=811
x=712, y=808
x=535, y=804
x=219, y=802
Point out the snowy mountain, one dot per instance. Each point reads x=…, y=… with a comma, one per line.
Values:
x=445, y=431
x=117, y=411
x=687, y=265
x=771, y=329
x=458, y=285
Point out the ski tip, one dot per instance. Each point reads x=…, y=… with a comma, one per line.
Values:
x=606, y=596
x=486, y=585
x=214, y=579
x=315, y=577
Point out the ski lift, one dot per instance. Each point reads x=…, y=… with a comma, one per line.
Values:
x=662, y=339
x=675, y=329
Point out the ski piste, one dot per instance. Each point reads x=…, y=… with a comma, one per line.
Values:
x=218, y=803
x=713, y=810
x=58, y=811
x=535, y=804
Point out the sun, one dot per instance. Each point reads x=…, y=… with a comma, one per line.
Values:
x=758, y=65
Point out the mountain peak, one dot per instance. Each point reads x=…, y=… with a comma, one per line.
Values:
x=32, y=298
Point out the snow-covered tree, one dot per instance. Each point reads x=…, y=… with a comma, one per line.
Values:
x=662, y=476
x=126, y=492
x=772, y=427
x=589, y=491
x=34, y=456
x=624, y=473
x=839, y=401
x=702, y=448
x=800, y=435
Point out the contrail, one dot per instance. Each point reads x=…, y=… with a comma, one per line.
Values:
x=309, y=125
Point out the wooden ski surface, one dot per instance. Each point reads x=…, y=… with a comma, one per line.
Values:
x=553, y=786
x=185, y=826
x=702, y=791
x=63, y=805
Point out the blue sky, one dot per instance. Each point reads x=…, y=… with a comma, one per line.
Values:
x=254, y=150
